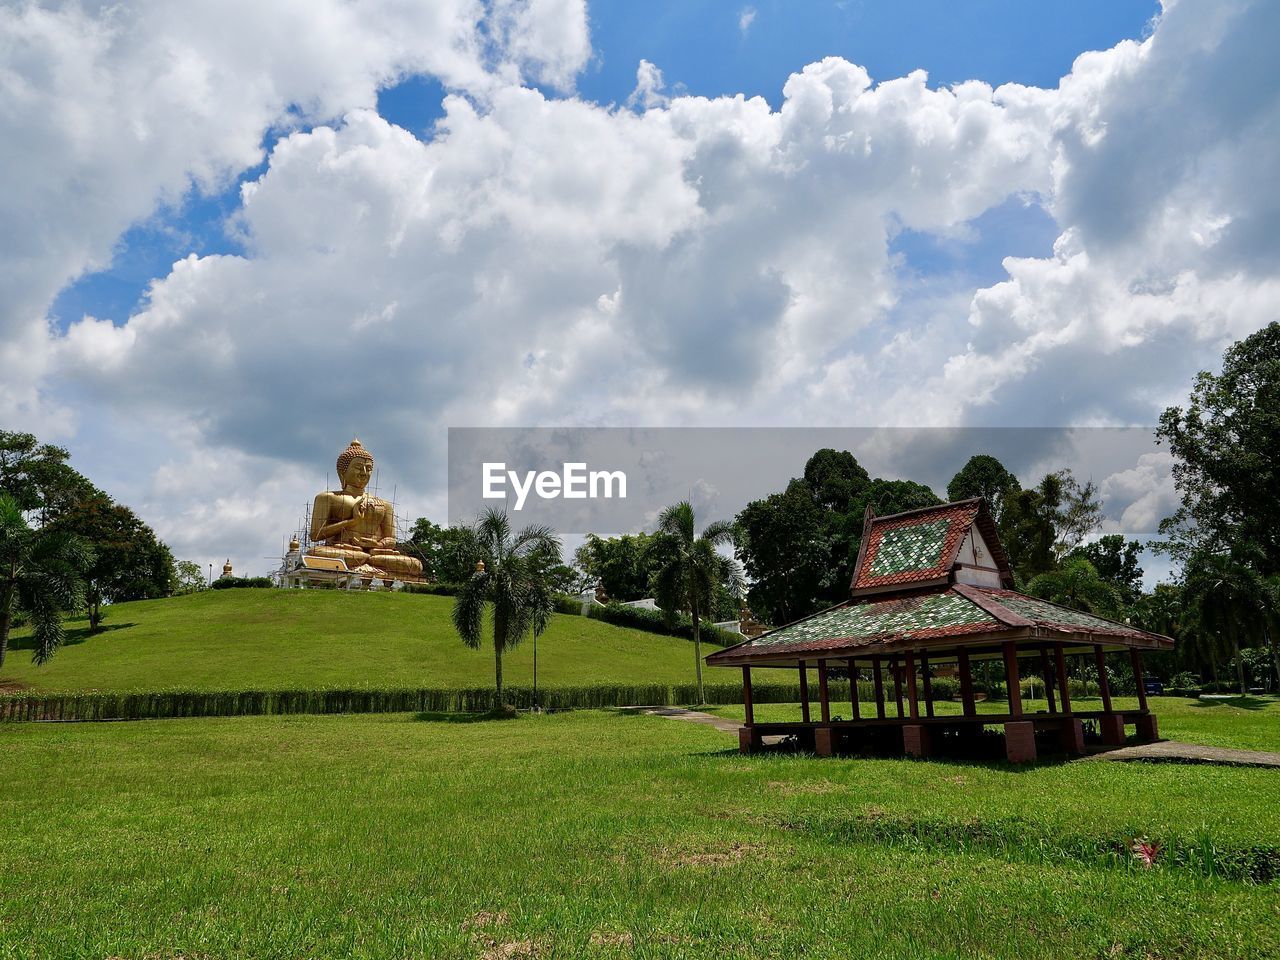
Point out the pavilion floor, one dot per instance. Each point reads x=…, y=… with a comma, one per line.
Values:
x=1025, y=735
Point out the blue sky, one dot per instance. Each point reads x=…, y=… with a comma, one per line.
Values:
x=703, y=48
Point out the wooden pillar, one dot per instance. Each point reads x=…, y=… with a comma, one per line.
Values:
x=747, y=708
x=897, y=683
x=1013, y=682
x=1135, y=658
x=824, y=702
x=1064, y=692
x=966, y=683
x=1047, y=672
x=912, y=701
x=877, y=669
x=928, y=685
x=1104, y=686
x=853, y=688
x=804, y=693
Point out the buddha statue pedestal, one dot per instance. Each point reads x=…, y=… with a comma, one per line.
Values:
x=359, y=529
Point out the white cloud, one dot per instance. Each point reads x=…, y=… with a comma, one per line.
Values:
x=649, y=86
x=746, y=17
x=694, y=261
x=107, y=113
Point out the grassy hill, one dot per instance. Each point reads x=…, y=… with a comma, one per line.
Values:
x=317, y=639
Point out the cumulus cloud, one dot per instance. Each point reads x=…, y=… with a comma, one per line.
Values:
x=108, y=113
x=543, y=260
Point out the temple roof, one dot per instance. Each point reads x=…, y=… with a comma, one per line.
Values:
x=963, y=613
x=919, y=547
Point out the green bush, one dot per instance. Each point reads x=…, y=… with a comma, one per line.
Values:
x=566, y=604
x=945, y=688
x=652, y=621
x=234, y=583
x=441, y=589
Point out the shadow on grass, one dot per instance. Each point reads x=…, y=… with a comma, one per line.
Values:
x=72, y=636
x=1243, y=702
x=440, y=716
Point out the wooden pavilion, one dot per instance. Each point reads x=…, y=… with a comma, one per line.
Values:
x=933, y=592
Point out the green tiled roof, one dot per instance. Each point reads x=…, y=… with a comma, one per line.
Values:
x=912, y=615
x=1043, y=612
x=910, y=548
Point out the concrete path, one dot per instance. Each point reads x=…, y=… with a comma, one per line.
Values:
x=692, y=716
x=1176, y=752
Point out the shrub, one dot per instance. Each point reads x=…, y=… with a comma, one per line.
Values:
x=441, y=589
x=945, y=688
x=234, y=583
x=1185, y=681
x=652, y=621
x=568, y=605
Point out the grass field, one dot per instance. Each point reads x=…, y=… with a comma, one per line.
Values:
x=605, y=834
x=292, y=639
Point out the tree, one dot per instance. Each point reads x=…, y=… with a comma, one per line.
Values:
x=1076, y=584
x=129, y=562
x=836, y=479
x=1224, y=445
x=187, y=578
x=1041, y=525
x=692, y=570
x=1227, y=602
x=892, y=496
x=786, y=548
x=1116, y=560
x=37, y=476
x=622, y=566
x=41, y=574
x=986, y=477
x=510, y=578
x=447, y=553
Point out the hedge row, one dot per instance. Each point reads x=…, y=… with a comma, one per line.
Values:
x=231, y=703
x=651, y=621
x=638, y=618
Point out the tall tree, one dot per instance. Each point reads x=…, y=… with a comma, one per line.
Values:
x=447, y=553
x=836, y=479
x=692, y=571
x=1076, y=584
x=36, y=475
x=129, y=562
x=1224, y=444
x=787, y=550
x=1041, y=525
x=41, y=574
x=1116, y=560
x=984, y=476
x=510, y=579
x=1227, y=600
x=622, y=566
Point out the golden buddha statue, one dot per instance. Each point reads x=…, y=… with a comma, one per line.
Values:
x=357, y=528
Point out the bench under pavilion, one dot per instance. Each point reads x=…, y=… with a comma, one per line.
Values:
x=933, y=595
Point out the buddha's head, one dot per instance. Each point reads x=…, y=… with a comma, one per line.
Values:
x=355, y=467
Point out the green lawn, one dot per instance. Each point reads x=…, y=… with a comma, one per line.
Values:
x=599, y=834
x=291, y=639
x=1252, y=723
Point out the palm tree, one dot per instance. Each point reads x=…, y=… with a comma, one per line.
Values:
x=692, y=570
x=41, y=573
x=511, y=576
x=1227, y=600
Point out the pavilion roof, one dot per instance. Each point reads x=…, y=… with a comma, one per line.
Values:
x=918, y=548
x=957, y=616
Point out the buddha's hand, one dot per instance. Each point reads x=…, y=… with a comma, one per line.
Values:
x=366, y=543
